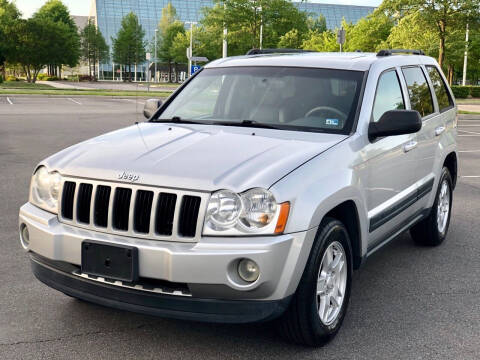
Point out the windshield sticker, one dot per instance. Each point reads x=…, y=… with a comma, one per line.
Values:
x=333, y=122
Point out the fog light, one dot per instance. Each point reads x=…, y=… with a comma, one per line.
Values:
x=24, y=235
x=248, y=270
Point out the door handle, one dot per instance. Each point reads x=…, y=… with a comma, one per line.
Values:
x=439, y=130
x=409, y=146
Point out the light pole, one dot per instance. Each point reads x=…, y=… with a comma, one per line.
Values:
x=261, y=27
x=225, y=33
x=190, y=49
x=155, y=57
x=465, y=59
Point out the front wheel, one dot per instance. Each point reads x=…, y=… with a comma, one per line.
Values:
x=432, y=230
x=318, y=307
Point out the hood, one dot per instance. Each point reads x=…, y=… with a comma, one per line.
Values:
x=195, y=157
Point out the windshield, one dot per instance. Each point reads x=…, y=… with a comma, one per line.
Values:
x=281, y=97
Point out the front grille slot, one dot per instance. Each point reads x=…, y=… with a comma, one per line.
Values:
x=84, y=200
x=102, y=201
x=143, y=209
x=188, y=216
x=165, y=213
x=121, y=208
x=67, y=199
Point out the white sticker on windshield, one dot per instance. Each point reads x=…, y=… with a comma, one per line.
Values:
x=333, y=122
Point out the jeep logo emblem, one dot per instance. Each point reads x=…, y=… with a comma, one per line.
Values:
x=128, y=177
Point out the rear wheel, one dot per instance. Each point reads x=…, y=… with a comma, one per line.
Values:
x=432, y=230
x=319, y=305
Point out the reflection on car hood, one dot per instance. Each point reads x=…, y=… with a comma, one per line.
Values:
x=196, y=157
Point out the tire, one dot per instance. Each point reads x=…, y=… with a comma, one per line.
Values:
x=432, y=230
x=301, y=323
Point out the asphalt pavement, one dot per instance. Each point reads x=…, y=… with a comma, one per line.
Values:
x=408, y=302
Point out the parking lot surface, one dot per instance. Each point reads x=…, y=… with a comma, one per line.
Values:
x=408, y=302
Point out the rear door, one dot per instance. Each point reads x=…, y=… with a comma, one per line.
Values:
x=428, y=95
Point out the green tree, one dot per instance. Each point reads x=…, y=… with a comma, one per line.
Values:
x=318, y=24
x=369, y=33
x=129, y=46
x=93, y=45
x=444, y=15
x=244, y=18
x=9, y=15
x=292, y=40
x=31, y=53
x=62, y=52
x=323, y=42
x=168, y=29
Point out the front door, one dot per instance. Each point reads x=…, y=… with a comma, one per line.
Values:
x=390, y=165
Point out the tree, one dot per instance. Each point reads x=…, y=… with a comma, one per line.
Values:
x=93, y=45
x=168, y=29
x=318, y=24
x=324, y=42
x=67, y=53
x=9, y=15
x=244, y=19
x=31, y=53
x=291, y=40
x=129, y=46
x=444, y=16
x=369, y=33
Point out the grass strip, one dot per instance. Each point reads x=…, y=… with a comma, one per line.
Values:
x=153, y=94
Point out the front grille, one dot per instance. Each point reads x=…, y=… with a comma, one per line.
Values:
x=133, y=210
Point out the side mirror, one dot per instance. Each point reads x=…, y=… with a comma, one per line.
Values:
x=395, y=122
x=150, y=107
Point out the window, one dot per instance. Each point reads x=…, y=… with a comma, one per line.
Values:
x=418, y=90
x=288, y=98
x=389, y=95
x=443, y=96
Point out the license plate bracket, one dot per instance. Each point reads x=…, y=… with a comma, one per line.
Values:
x=116, y=262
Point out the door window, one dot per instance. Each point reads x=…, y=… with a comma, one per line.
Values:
x=443, y=97
x=418, y=90
x=389, y=95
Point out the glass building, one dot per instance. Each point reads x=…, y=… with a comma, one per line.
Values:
x=109, y=13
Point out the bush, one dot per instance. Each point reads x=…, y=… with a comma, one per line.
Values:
x=42, y=77
x=1, y=79
x=461, y=92
x=12, y=78
x=475, y=91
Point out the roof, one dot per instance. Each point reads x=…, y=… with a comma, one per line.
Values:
x=344, y=61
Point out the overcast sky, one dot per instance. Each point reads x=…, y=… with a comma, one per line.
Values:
x=82, y=7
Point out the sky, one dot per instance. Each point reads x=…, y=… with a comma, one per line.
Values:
x=82, y=7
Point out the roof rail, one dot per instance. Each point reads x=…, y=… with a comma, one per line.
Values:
x=399, y=51
x=276, y=51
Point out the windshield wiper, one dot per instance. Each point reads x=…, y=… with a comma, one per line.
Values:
x=248, y=123
x=178, y=120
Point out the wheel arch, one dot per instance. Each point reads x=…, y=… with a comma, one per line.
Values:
x=347, y=214
x=451, y=163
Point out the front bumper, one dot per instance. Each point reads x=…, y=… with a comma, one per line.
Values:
x=206, y=267
x=210, y=310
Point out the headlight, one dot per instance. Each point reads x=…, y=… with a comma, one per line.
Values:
x=45, y=189
x=252, y=212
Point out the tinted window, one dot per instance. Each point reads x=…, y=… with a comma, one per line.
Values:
x=443, y=97
x=418, y=90
x=288, y=98
x=388, y=96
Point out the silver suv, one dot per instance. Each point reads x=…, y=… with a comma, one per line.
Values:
x=253, y=192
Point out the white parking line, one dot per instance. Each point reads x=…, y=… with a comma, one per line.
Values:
x=75, y=101
x=9, y=101
x=470, y=176
x=469, y=151
x=134, y=101
x=469, y=132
